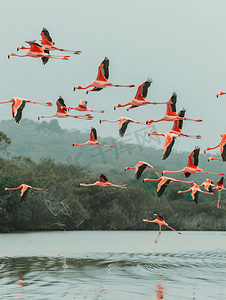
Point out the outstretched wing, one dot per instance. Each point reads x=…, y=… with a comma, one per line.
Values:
x=93, y=133
x=181, y=114
x=123, y=126
x=168, y=146
x=140, y=170
x=162, y=186
x=103, y=178
x=105, y=68
x=174, y=101
x=47, y=35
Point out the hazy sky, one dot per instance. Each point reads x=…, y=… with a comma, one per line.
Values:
x=181, y=45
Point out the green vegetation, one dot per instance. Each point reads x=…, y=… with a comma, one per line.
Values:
x=66, y=206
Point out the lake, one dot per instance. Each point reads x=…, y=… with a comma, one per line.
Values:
x=113, y=265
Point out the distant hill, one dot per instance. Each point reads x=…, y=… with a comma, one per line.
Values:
x=42, y=140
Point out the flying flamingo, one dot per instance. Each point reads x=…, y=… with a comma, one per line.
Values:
x=92, y=140
x=171, y=135
x=222, y=146
x=18, y=105
x=221, y=93
x=83, y=107
x=123, y=123
x=219, y=187
x=159, y=220
x=192, y=166
x=140, y=167
x=171, y=114
x=195, y=190
x=36, y=51
x=140, y=97
x=102, y=79
x=104, y=182
x=24, y=189
x=62, y=112
x=208, y=184
x=164, y=182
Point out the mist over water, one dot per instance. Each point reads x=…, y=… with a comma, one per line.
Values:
x=113, y=265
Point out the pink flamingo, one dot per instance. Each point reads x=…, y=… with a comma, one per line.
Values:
x=222, y=146
x=36, y=51
x=140, y=167
x=18, y=105
x=24, y=189
x=62, y=112
x=221, y=93
x=159, y=220
x=83, y=107
x=102, y=79
x=195, y=190
x=208, y=184
x=171, y=135
x=171, y=114
x=192, y=166
x=164, y=182
x=103, y=181
x=92, y=140
x=123, y=124
x=140, y=97
x=219, y=187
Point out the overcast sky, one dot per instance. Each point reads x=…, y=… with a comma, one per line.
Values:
x=181, y=45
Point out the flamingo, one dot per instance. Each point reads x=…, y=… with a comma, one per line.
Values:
x=195, y=190
x=102, y=79
x=140, y=167
x=220, y=94
x=103, y=181
x=171, y=135
x=18, y=105
x=36, y=51
x=159, y=220
x=48, y=44
x=164, y=182
x=24, y=189
x=83, y=107
x=123, y=123
x=219, y=187
x=208, y=184
x=222, y=146
x=140, y=97
x=62, y=112
x=171, y=114
x=192, y=166
x=92, y=140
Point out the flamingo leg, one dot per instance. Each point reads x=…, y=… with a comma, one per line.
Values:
x=172, y=229
x=219, y=198
x=157, y=238
x=222, y=174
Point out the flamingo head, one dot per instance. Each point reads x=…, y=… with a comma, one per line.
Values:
x=210, y=158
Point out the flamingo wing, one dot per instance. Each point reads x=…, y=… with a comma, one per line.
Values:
x=123, y=126
x=193, y=158
x=93, y=134
x=103, y=178
x=181, y=114
x=174, y=101
x=162, y=186
x=35, y=47
x=168, y=145
x=45, y=59
x=220, y=181
x=17, y=109
x=60, y=103
x=47, y=35
x=159, y=218
x=24, y=194
x=223, y=152
x=83, y=103
x=145, y=86
x=195, y=196
x=105, y=67
x=140, y=170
